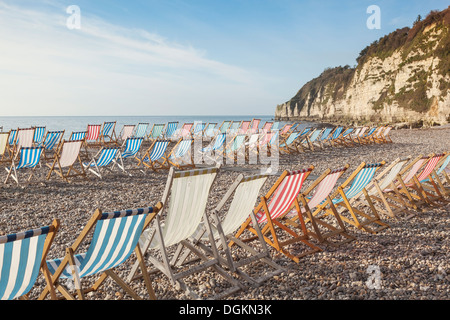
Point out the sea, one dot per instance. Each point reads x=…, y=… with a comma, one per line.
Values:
x=79, y=123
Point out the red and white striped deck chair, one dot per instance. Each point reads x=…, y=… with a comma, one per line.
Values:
x=93, y=133
x=254, y=127
x=66, y=157
x=279, y=201
x=244, y=127
x=313, y=200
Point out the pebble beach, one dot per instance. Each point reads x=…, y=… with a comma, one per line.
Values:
x=411, y=256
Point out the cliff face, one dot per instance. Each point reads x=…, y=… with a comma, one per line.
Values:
x=403, y=77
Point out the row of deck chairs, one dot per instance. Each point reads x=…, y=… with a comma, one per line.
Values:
x=297, y=139
x=178, y=239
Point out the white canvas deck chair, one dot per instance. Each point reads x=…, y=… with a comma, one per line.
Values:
x=140, y=131
x=105, y=157
x=181, y=156
x=126, y=132
x=108, y=133
x=382, y=136
x=67, y=156
x=23, y=138
x=170, y=130
x=22, y=258
x=155, y=157
x=345, y=200
x=39, y=134
x=356, y=137
x=52, y=139
x=185, y=197
x=4, y=147
x=130, y=153
x=367, y=138
x=313, y=200
x=278, y=202
x=156, y=132
x=26, y=159
x=235, y=255
x=114, y=236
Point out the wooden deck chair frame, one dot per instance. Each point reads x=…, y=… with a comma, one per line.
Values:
x=132, y=147
x=51, y=140
x=177, y=230
x=102, y=160
x=26, y=253
x=155, y=157
x=274, y=222
x=311, y=205
x=345, y=138
x=68, y=165
x=108, y=133
x=25, y=158
x=360, y=178
x=127, y=226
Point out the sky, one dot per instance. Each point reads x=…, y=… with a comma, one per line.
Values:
x=179, y=57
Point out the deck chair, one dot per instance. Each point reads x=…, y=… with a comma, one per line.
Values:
x=4, y=147
x=288, y=144
x=113, y=238
x=185, y=197
x=278, y=202
x=67, y=156
x=185, y=131
x=345, y=200
x=367, y=138
x=171, y=129
x=252, y=146
x=210, y=130
x=181, y=155
x=126, y=132
x=254, y=126
x=155, y=157
x=39, y=134
x=156, y=131
x=140, y=131
x=22, y=258
x=345, y=138
x=23, y=138
x=236, y=147
x=286, y=129
x=25, y=159
x=225, y=126
x=268, y=125
x=130, y=153
x=441, y=171
x=234, y=128
x=313, y=200
x=235, y=255
x=198, y=129
x=382, y=184
x=100, y=162
x=331, y=141
x=78, y=135
x=382, y=135
x=93, y=134
x=356, y=137
x=108, y=133
x=52, y=139
x=214, y=150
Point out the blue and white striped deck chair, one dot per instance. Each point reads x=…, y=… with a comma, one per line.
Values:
x=344, y=199
x=181, y=156
x=345, y=138
x=210, y=130
x=324, y=136
x=214, y=150
x=185, y=196
x=335, y=135
x=156, y=132
x=288, y=145
x=22, y=257
x=141, y=130
x=171, y=129
x=309, y=141
x=132, y=148
x=115, y=237
x=367, y=138
x=27, y=159
x=225, y=126
x=276, y=125
x=155, y=157
x=12, y=137
x=79, y=135
x=235, y=149
x=102, y=160
x=108, y=133
x=199, y=128
x=39, y=133
x=52, y=139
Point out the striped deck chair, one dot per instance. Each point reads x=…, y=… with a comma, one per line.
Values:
x=185, y=131
x=380, y=185
x=108, y=133
x=367, y=138
x=345, y=199
x=441, y=171
x=22, y=257
x=210, y=130
x=52, y=139
x=67, y=156
x=356, y=136
x=185, y=196
x=225, y=126
x=331, y=141
x=235, y=255
x=234, y=128
x=198, y=129
x=100, y=162
x=25, y=159
x=272, y=208
x=171, y=129
x=155, y=157
x=181, y=155
x=311, y=139
x=130, y=152
x=156, y=132
x=140, y=131
x=12, y=137
x=93, y=134
x=115, y=235
x=268, y=125
x=276, y=125
x=286, y=130
x=345, y=138
x=288, y=146
x=254, y=126
x=126, y=132
x=383, y=135
x=313, y=201
x=78, y=135
x=39, y=134
x=235, y=149
x=214, y=150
